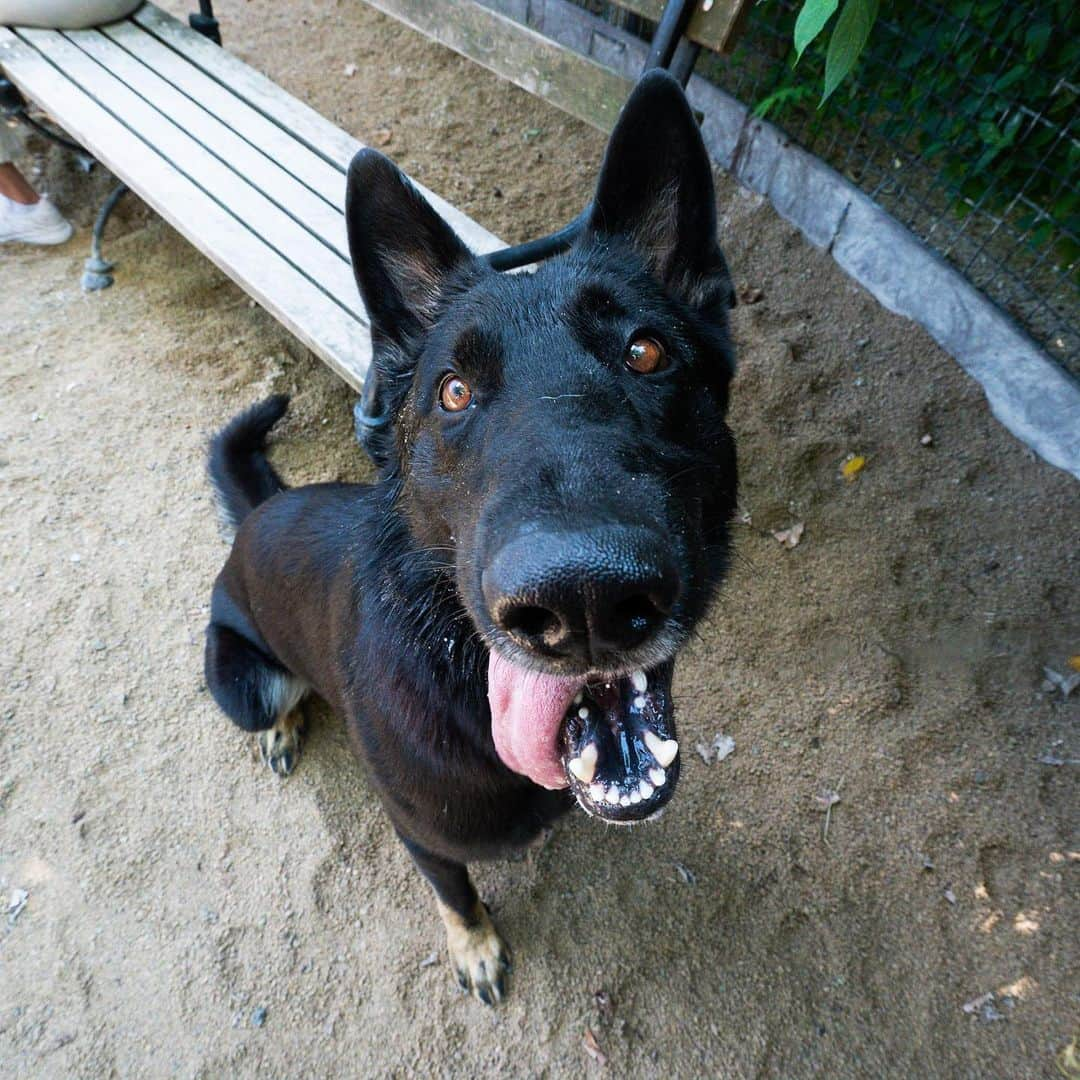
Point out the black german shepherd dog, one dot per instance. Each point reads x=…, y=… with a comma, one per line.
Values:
x=497, y=617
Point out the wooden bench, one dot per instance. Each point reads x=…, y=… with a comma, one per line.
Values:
x=248, y=174
x=501, y=36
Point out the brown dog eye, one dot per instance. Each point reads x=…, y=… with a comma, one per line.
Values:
x=454, y=393
x=646, y=356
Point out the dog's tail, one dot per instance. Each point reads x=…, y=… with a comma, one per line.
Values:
x=237, y=464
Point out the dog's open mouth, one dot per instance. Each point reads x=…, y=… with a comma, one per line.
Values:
x=611, y=740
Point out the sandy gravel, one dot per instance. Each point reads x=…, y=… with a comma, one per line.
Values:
x=174, y=888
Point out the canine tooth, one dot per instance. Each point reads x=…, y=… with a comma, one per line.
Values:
x=612, y=795
x=582, y=769
x=664, y=750
x=596, y=792
x=584, y=765
x=639, y=702
x=640, y=681
x=579, y=698
x=645, y=789
x=583, y=713
x=658, y=777
x=635, y=796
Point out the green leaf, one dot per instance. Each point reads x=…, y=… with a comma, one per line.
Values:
x=847, y=42
x=811, y=21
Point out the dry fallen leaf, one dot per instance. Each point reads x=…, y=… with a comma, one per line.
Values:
x=749, y=294
x=790, y=537
x=1065, y=683
x=853, y=466
x=686, y=875
x=1074, y=662
x=592, y=1047
x=723, y=746
x=382, y=136
x=1068, y=1059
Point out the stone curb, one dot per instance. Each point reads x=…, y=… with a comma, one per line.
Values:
x=1036, y=399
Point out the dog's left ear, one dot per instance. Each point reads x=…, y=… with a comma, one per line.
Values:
x=656, y=190
x=403, y=253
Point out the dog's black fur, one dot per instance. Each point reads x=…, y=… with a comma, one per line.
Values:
x=375, y=596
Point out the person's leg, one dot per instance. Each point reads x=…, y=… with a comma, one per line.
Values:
x=25, y=217
x=14, y=185
x=12, y=182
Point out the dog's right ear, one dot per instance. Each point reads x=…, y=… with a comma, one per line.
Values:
x=403, y=253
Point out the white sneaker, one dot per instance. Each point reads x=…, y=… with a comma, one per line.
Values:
x=36, y=223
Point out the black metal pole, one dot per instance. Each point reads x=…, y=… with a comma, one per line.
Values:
x=673, y=22
x=204, y=22
x=542, y=248
x=682, y=63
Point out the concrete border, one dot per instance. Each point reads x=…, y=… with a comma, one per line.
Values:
x=1035, y=398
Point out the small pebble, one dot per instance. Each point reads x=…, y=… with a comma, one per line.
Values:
x=927, y=439
x=258, y=1016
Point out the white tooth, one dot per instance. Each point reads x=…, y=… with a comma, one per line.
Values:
x=582, y=769
x=645, y=789
x=635, y=796
x=583, y=713
x=658, y=777
x=640, y=681
x=612, y=795
x=596, y=793
x=588, y=755
x=664, y=750
x=624, y=801
x=578, y=699
x=639, y=702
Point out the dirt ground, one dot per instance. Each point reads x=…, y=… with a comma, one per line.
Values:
x=187, y=914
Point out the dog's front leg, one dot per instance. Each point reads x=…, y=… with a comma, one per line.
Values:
x=479, y=956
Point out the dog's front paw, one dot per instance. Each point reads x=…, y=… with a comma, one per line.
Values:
x=479, y=957
x=279, y=746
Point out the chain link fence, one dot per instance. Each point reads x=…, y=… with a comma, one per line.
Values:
x=962, y=119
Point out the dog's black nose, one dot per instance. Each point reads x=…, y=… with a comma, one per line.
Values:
x=588, y=596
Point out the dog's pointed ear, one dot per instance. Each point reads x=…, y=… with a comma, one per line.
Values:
x=656, y=191
x=403, y=253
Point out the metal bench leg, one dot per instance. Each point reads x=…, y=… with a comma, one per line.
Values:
x=96, y=270
x=203, y=22
x=12, y=103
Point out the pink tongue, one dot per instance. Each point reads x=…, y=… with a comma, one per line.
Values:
x=527, y=711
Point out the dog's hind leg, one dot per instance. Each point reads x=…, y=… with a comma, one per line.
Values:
x=478, y=955
x=257, y=694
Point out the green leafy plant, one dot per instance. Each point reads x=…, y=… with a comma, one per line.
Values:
x=849, y=36
x=984, y=91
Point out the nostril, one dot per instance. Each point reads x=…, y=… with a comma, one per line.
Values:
x=638, y=614
x=531, y=622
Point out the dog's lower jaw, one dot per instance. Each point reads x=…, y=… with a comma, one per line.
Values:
x=479, y=957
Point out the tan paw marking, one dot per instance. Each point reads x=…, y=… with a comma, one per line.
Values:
x=480, y=959
x=280, y=745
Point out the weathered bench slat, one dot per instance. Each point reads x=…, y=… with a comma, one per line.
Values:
x=291, y=114
x=516, y=52
x=294, y=156
x=298, y=201
x=715, y=26
x=326, y=269
x=339, y=337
